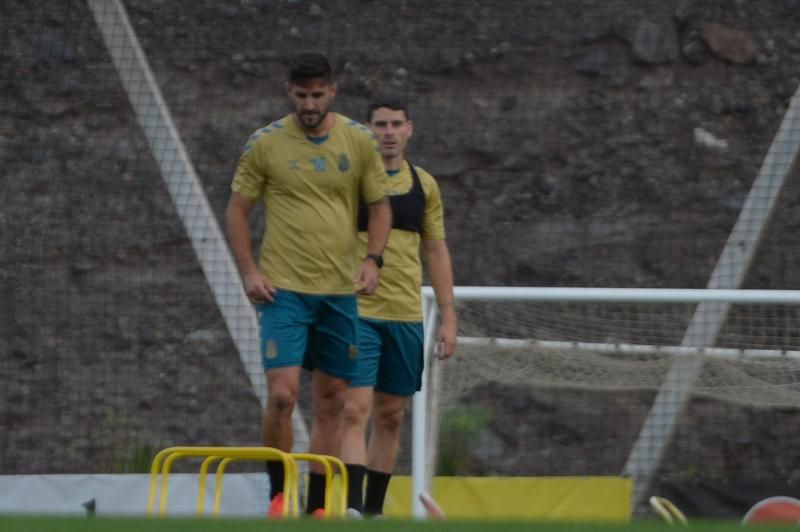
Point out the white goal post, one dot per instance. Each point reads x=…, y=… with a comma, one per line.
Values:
x=425, y=403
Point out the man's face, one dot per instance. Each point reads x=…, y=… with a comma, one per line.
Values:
x=311, y=100
x=392, y=130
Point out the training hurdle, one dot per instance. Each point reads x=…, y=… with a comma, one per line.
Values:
x=163, y=460
x=668, y=511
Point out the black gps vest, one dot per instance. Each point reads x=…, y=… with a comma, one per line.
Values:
x=408, y=210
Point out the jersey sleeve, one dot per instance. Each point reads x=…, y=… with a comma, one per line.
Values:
x=374, y=181
x=251, y=173
x=433, y=225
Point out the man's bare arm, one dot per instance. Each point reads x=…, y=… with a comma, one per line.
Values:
x=378, y=228
x=437, y=258
x=237, y=215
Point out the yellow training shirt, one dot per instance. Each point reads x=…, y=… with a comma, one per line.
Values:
x=398, y=295
x=311, y=193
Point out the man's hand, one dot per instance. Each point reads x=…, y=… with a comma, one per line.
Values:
x=366, y=279
x=446, y=339
x=258, y=288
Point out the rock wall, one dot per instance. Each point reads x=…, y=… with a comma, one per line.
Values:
x=577, y=143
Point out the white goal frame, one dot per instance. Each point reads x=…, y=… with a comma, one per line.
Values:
x=422, y=436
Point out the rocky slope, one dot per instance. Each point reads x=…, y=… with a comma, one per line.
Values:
x=577, y=143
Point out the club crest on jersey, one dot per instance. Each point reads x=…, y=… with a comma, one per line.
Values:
x=353, y=352
x=344, y=163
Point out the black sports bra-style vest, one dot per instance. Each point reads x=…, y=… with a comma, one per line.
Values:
x=408, y=210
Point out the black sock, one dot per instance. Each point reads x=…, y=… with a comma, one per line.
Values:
x=275, y=472
x=316, y=492
x=355, y=486
x=377, y=484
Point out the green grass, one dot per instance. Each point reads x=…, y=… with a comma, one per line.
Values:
x=116, y=524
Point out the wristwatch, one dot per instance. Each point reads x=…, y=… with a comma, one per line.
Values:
x=378, y=259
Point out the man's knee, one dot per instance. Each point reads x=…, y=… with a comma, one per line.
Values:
x=329, y=408
x=282, y=399
x=389, y=417
x=355, y=411
x=283, y=386
x=329, y=395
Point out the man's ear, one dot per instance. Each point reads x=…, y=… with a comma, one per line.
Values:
x=334, y=87
x=410, y=129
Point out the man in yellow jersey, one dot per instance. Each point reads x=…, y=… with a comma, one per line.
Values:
x=390, y=333
x=311, y=168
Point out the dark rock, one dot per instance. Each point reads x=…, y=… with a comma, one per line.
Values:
x=655, y=43
x=729, y=44
x=593, y=62
x=694, y=52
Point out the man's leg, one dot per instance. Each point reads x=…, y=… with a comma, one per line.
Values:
x=387, y=419
x=284, y=337
x=328, y=401
x=357, y=405
x=333, y=354
x=276, y=429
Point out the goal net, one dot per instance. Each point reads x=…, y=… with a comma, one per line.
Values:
x=548, y=387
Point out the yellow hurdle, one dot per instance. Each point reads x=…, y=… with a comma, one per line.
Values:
x=326, y=461
x=292, y=506
x=162, y=464
x=668, y=511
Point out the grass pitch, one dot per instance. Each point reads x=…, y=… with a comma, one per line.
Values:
x=119, y=524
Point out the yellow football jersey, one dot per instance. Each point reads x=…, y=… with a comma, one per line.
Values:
x=311, y=191
x=398, y=295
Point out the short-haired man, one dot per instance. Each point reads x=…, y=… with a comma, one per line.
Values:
x=310, y=168
x=390, y=333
